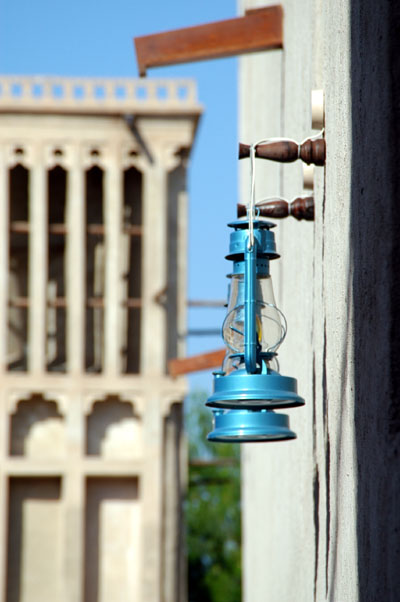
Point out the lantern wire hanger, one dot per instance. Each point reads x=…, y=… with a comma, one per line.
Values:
x=251, y=208
x=249, y=386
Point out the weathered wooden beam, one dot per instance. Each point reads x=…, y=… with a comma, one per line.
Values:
x=195, y=363
x=206, y=303
x=93, y=302
x=259, y=29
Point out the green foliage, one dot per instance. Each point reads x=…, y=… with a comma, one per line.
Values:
x=212, y=511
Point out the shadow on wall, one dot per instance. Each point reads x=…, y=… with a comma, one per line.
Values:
x=375, y=247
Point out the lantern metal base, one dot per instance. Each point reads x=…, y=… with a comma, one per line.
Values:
x=240, y=390
x=246, y=426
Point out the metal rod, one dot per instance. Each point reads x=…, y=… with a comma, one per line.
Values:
x=206, y=303
x=250, y=334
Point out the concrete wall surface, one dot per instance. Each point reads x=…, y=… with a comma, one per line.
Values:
x=321, y=516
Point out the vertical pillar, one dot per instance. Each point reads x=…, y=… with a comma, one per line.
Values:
x=37, y=276
x=152, y=502
x=74, y=544
x=4, y=432
x=74, y=483
x=4, y=511
x=176, y=266
x=76, y=265
x=154, y=277
x=182, y=251
x=113, y=276
x=4, y=246
x=174, y=485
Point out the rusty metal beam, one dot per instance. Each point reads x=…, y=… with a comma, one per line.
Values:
x=195, y=363
x=259, y=29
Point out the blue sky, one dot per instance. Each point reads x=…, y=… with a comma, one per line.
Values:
x=94, y=38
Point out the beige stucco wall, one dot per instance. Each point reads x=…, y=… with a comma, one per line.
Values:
x=319, y=514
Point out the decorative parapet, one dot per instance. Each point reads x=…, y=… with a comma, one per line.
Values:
x=44, y=94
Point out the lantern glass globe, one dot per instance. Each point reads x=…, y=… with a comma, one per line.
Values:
x=270, y=322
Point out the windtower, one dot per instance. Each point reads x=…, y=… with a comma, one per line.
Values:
x=93, y=222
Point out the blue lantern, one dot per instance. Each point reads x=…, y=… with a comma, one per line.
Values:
x=253, y=330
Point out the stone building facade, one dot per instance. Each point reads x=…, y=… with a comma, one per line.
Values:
x=93, y=217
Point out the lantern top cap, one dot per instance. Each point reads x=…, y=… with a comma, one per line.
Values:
x=243, y=224
x=238, y=240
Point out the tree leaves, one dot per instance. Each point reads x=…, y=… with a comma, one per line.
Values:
x=212, y=510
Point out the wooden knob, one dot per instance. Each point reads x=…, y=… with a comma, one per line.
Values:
x=313, y=151
x=303, y=208
x=287, y=151
x=300, y=208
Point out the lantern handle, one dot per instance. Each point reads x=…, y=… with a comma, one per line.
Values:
x=252, y=202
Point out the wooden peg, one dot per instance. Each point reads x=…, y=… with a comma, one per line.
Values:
x=287, y=151
x=300, y=208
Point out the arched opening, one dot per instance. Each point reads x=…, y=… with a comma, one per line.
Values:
x=37, y=429
x=113, y=430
